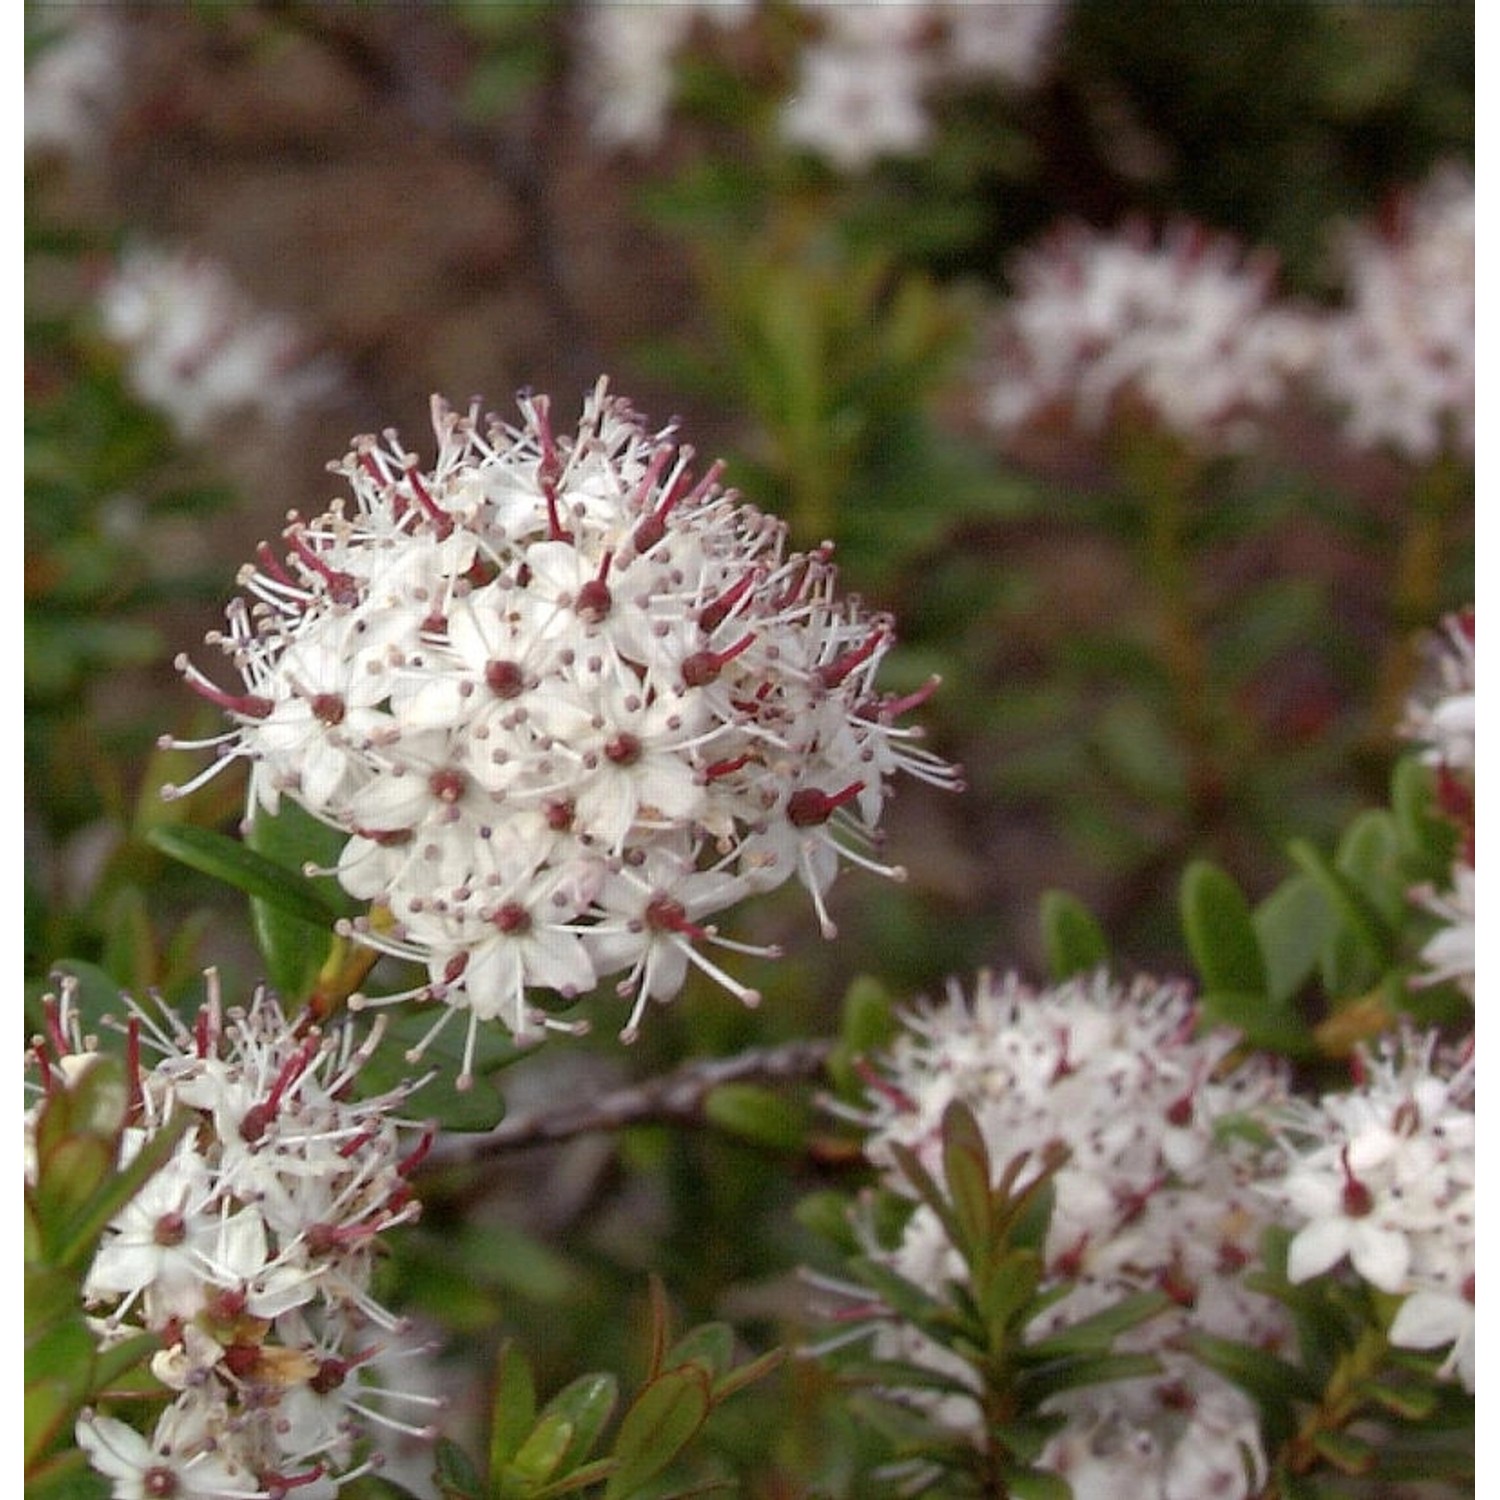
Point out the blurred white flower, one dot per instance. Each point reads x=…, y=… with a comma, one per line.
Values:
x=862, y=85
x=1185, y=330
x=566, y=701
x=1441, y=713
x=1449, y=954
x=1400, y=359
x=74, y=86
x=197, y=349
x=1383, y=1176
x=629, y=55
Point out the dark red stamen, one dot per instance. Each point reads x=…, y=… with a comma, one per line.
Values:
x=711, y=616
x=271, y=565
x=703, y=667
x=624, y=749
x=442, y=522
x=504, y=679
x=559, y=815
x=808, y=807
x=834, y=672
x=594, y=599
x=343, y=588
x=729, y=767
x=328, y=708
x=418, y=1153
x=447, y=785
x=512, y=918
x=663, y=914
x=246, y=705
x=1358, y=1201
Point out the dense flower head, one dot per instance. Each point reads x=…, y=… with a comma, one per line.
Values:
x=1152, y=1196
x=1182, y=329
x=1400, y=358
x=249, y=1252
x=1381, y=1177
x=566, y=700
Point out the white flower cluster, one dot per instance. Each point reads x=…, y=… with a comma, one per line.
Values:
x=862, y=80
x=249, y=1253
x=1183, y=330
x=566, y=701
x=1441, y=717
x=1400, y=360
x=199, y=350
x=1383, y=1176
x=1150, y=1197
x=862, y=86
x=73, y=87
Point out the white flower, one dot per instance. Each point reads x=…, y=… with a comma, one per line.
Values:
x=1383, y=1175
x=1400, y=360
x=532, y=678
x=199, y=350
x=1150, y=1198
x=1449, y=954
x=250, y=1252
x=73, y=88
x=1441, y=713
x=1185, y=329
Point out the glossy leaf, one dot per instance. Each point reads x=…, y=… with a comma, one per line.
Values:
x=661, y=1421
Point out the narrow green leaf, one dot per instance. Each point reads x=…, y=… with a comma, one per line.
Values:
x=661, y=1421
x=1074, y=942
x=512, y=1410
x=747, y=1374
x=1261, y=1374
x=1096, y=1333
x=1072, y=1374
x=1414, y=1403
x=1220, y=933
x=1348, y=1454
x=966, y=1171
x=1035, y=1484
x=1369, y=854
x=540, y=1455
x=1426, y=839
x=240, y=866
x=115, y=1361
x=1359, y=920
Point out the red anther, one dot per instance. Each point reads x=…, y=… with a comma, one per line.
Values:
x=594, y=599
x=624, y=749
x=1133, y=1205
x=887, y=709
x=328, y=708
x=386, y=838
x=277, y=1485
x=442, y=522
x=711, y=616
x=242, y=1360
x=418, y=1153
x=448, y=785
x=703, y=667
x=1358, y=1201
x=1068, y=1264
x=342, y=587
x=512, y=918
x=504, y=679
x=357, y=1143
x=878, y=1083
x=834, y=672
x=330, y=1375
x=1180, y=1111
x=435, y=623
x=1407, y=1118
x=170, y=1229
x=1173, y=1280
x=807, y=807
x=663, y=914
x=271, y=564
x=1232, y=1258
x=729, y=767
x=559, y=814
x=246, y=705
x=455, y=967
x=226, y=1305
x=160, y=1482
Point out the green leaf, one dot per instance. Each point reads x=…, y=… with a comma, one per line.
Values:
x=1035, y=1484
x=540, y=1455
x=1097, y=1332
x=1220, y=933
x=1293, y=926
x=455, y=1473
x=512, y=1409
x=757, y=1114
x=662, y=1420
x=1038, y=1385
x=966, y=1172
x=1364, y=944
x=586, y=1404
x=1073, y=940
x=1348, y=1454
x=710, y=1345
x=1269, y=1027
x=1369, y=854
x=242, y=867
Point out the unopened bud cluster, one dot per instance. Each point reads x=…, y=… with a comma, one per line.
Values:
x=566, y=700
x=249, y=1253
